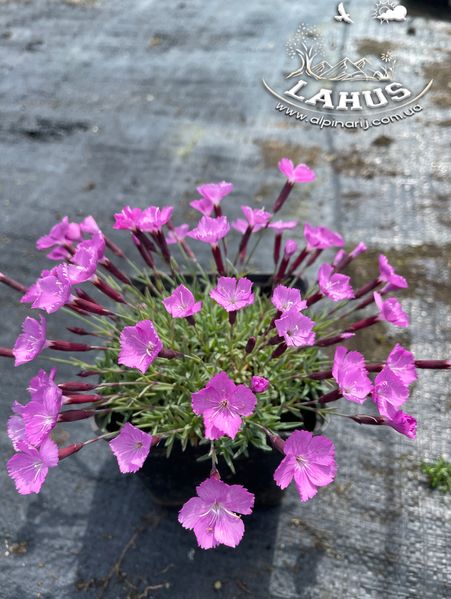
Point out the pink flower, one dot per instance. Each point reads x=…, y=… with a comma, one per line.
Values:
x=127, y=218
x=351, y=375
x=286, y=298
x=31, y=341
x=215, y=192
x=40, y=417
x=213, y=513
x=43, y=386
x=296, y=174
x=33, y=291
x=222, y=404
x=153, y=218
x=59, y=253
x=83, y=266
x=259, y=384
x=177, y=234
x=295, y=328
x=233, y=294
x=402, y=363
x=387, y=273
x=320, y=238
x=240, y=225
x=389, y=391
x=334, y=285
x=291, y=247
x=89, y=225
x=97, y=243
x=86, y=258
x=401, y=422
x=29, y=467
x=51, y=291
x=391, y=311
x=140, y=345
x=203, y=206
x=210, y=230
x=181, y=303
x=16, y=430
x=283, y=225
x=340, y=257
x=131, y=448
x=60, y=234
x=256, y=218
x=309, y=461
x=360, y=248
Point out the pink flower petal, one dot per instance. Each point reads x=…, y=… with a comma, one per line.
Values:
x=229, y=529
x=131, y=448
x=285, y=472
x=140, y=345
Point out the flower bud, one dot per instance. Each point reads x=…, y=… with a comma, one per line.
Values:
x=74, y=386
x=79, y=331
x=65, y=452
x=250, y=345
x=73, y=415
x=291, y=247
x=279, y=351
x=259, y=384
x=169, y=354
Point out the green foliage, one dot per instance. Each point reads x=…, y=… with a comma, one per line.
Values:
x=439, y=474
x=159, y=401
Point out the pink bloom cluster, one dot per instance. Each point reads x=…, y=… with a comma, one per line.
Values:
x=225, y=406
x=29, y=429
x=295, y=328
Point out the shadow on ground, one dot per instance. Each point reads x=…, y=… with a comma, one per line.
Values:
x=135, y=548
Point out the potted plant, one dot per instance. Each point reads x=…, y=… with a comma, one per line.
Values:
x=212, y=370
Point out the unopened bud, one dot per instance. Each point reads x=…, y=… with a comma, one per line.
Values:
x=250, y=345
x=83, y=398
x=79, y=331
x=277, y=442
x=169, y=354
x=73, y=386
x=366, y=419
x=85, y=373
x=73, y=415
x=279, y=350
x=65, y=452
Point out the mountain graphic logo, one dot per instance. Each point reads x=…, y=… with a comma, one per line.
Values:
x=348, y=70
x=308, y=49
x=325, y=88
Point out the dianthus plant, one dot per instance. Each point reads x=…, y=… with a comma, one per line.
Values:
x=185, y=353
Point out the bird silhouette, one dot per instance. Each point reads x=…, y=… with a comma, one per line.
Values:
x=343, y=16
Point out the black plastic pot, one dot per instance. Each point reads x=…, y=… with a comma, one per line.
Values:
x=172, y=481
